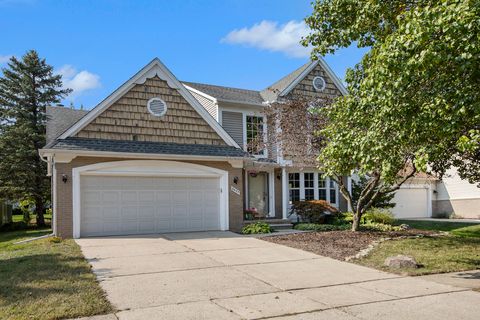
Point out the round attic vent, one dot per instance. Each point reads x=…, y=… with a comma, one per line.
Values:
x=157, y=107
x=319, y=83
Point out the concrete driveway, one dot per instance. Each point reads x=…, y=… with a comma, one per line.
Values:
x=220, y=275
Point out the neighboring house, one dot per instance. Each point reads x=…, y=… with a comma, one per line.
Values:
x=426, y=196
x=159, y=155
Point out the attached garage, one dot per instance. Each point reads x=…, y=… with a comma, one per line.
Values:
x=412, y=202
x=141, y=197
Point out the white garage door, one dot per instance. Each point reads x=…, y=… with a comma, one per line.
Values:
x=411, y=203
x=113, y=205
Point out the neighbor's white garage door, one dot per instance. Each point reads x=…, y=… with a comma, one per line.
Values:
x=411, y=203
x=113, y=205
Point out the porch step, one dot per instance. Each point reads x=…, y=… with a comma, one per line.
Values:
x=276, y=224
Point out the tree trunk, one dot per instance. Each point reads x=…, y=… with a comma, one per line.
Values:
x=356, y=221
x=39, y=209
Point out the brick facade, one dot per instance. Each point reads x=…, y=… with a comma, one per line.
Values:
x=64, y=197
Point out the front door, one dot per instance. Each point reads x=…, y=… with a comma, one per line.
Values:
x=258, y=192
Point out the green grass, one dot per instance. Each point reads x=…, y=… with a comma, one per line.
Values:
x=18, y=218
x=467, y=232
x=436, y=225
x=437, y=255
x=46, y=280
x=459, y=251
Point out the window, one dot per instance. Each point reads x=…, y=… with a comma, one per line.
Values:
x=333, y=192
x=312, y=186
x=308, y=184
x=319, y=83
x=294, y=186
x=254, y=127
x=322, y=188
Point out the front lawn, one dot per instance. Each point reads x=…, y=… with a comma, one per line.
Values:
x=436, y=254
x=46, y=280
x=458, y=251
x=436, y=225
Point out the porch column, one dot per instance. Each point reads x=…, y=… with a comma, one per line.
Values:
x=349, y=188
x=284, y=193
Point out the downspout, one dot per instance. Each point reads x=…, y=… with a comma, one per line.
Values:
x=49, y=174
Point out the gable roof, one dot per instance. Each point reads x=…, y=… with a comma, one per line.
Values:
x=60, y=119
x=154, y=68
x=227, y=94
x=285, y=85
x=272, y=92
x=279, y=89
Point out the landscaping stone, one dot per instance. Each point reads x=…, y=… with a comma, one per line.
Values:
x=401, y=261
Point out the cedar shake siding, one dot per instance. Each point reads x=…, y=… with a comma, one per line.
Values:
x=63, y=199
x=305, y=87
x=129, y=119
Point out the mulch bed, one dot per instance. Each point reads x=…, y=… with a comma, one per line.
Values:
x=339, y=244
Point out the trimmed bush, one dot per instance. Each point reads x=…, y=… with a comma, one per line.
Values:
x=379, y=215
x=321, y=227
x=257, y=228
x=314, y=211
x=374, y=226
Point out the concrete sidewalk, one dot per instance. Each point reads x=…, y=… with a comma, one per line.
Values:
x=221, y=275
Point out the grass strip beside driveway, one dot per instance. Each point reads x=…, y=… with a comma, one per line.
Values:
x=436, y=254
x=46, y=280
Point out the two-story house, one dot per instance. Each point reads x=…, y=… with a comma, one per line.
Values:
x=160, y=155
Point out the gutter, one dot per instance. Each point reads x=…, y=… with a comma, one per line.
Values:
x=46, y=152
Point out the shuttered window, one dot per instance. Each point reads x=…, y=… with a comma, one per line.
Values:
x=232, y=122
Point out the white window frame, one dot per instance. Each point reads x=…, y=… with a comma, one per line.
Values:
x=264, y=154
x=316, y=174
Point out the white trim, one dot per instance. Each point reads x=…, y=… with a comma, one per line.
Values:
x=245, y=114
x=349, y=189
x=312, y=66
x=154, y=68
x=54, y=201
x=150, y=168
x=201, y=93
x=284, y=193
x=149, y=107
x=271, y=193
x=324, y=84
x=68, y=155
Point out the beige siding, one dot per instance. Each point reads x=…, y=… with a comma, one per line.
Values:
x=129, y=119
x=64, y=207
x=452, y=187
x=305, y=87
x=208, y=104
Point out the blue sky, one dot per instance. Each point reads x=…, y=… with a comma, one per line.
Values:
x=97, y=45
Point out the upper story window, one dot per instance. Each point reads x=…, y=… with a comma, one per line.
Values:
x=254, y=131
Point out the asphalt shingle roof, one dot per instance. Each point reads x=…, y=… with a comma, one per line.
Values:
x=271, y=92
x=59, y=119
x=228, y=93
x=83, y=144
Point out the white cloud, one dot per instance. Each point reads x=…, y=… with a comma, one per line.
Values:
x=79, y=82
x=269, y=35
x=4, y=59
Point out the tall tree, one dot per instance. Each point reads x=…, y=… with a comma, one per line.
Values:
x=26, y=88
x=414, y=102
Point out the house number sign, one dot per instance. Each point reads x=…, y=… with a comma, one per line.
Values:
x=235, y=190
